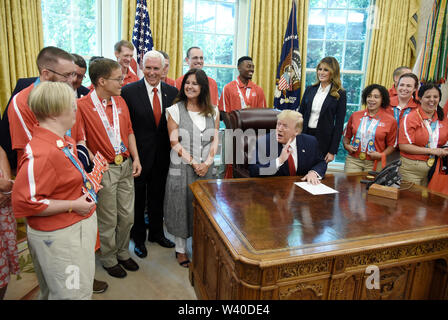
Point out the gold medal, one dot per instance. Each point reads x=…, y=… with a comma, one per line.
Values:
x=118, y=159
x=88, y=185
x=286, y=100
x=430, y=162
x=362, y=156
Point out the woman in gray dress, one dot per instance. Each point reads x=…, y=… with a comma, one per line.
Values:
x=193, y=124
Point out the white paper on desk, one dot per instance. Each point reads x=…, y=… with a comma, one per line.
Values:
x=316, y=189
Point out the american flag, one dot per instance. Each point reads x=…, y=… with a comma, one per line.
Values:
x=142, y=36
x=284, y=82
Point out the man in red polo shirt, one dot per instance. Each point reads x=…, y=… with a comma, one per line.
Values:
x=242, y=93
x=124, y=51
x=103, y=122
x=195, y=59
x=55, y=65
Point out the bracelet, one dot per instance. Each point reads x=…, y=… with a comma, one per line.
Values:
x=70, y=209
x=6, y=193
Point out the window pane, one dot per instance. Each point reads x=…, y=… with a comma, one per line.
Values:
x=207, y=43
x=224, y=50
x=71, y=25
x=358, y=3
x=316, y=26
x=335, y=49
x=188, y=42
x=205, y=16
x=189, y=15
x=352, y=84
x=336, y=24
x=353, y=55
x=356, y=25
x=318, y=3
x=211, y=72
x=225, y=17
x=224, y=76
x=315, y=52
x=337, y=3
x=310, y=78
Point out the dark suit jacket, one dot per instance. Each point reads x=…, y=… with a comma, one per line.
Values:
x=309, y=157
x=5, y=136
x=331, y=118
x=153, y=143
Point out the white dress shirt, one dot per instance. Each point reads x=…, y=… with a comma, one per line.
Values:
x=151, y=93
x=293, y=147
x=318, y=101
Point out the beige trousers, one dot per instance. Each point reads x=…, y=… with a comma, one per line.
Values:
x=64, y=260
x=353, y=165
x=115, y=210
x=415, y=171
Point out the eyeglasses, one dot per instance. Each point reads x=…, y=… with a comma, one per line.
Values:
x=117, y=79
x=66, y=76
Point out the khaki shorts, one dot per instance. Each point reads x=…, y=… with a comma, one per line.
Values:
x=353, y=165
x=415, y=171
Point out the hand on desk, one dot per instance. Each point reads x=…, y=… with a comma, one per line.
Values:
x=311, y=178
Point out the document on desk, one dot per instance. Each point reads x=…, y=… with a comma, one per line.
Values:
x=316, y=189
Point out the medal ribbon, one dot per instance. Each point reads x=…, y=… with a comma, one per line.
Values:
x=366, y=131
x=80, y=169
x=112, y=133
x=243, y=101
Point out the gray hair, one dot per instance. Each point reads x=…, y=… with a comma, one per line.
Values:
x=154, y=54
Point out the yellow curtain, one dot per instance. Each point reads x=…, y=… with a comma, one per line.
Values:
x=22, y=38
x=268, y=23
x=393, y=42
x=166, y=19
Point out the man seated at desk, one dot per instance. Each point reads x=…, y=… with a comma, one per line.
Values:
x=292, y=154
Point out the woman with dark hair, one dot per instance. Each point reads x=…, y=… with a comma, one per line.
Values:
x=193, y=129
x=323, y=108
x=422, y=134
x=404, y=101
x=370, y=134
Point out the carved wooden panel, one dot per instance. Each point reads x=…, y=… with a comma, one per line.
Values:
x=345, y=288
x=313, y=290
x=421, y=283
x=211, y=270
x=300, y=269
x=439, y=287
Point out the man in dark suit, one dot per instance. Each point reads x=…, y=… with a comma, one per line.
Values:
x=147, y=100
x=292, y=153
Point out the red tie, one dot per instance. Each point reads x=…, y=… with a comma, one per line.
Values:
x=292, y=167
x=156, y=107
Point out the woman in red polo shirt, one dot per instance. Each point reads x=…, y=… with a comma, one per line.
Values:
x=370, y=134
x=405, y=101
x=54, y=194
x=422, y=133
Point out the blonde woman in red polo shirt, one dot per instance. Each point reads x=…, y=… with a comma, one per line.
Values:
x=48, y=191
x=422, y=133
x=370, y=134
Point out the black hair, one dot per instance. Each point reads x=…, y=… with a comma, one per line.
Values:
x=385, y=100
x=240, y=60
x=428, y=86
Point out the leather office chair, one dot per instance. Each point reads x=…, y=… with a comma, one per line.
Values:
x=249, y=119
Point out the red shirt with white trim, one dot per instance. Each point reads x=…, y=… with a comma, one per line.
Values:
x=385, y=134
x=211, y=83
x=230, y=97
x=170, y=81
x=413, y=131
x=21, y=121
x=393, y=92
x=47, y=174
x=89, y=126
x=412, y=103
x=129, y=77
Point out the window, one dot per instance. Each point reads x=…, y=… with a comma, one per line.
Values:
x=213, y=26
x=86, y=27
x=338, y=28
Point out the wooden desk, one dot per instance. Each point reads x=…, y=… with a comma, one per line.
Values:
x=269, y=239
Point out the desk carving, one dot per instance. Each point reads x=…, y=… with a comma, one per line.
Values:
x=248, y=244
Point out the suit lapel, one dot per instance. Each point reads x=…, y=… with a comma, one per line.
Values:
x=146, y=103
x=300, y=155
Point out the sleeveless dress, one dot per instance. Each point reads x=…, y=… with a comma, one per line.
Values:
x=178, y=203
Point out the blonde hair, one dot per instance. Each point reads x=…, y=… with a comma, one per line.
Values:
x=51, y=99
x=335, y=75
x=292, y=115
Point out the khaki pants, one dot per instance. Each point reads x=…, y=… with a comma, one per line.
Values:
x=115, y=210
x=353, y=165
x=64, y=260
x=415, y=171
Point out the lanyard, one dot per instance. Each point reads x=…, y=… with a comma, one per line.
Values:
x=243, y=101
x=366, y=133
x=86, y=180
x=112, y=133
